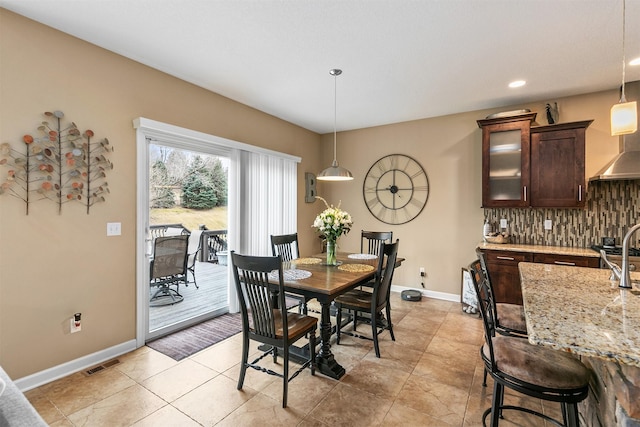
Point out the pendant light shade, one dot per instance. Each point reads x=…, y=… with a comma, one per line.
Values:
x=624, y=115
x=335, y=172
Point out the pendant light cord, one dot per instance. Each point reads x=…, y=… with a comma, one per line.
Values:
x=335, y=115
x=624, y=14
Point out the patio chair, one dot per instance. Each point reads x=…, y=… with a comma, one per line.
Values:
x=269, y=323
x=168, y=268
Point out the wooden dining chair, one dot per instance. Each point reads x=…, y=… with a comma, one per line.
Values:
x=286, y=245
x=371, y=241
x=361, y=301
x=536, y=371
x=267, y=321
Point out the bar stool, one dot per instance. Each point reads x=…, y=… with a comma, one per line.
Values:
x=532, y=370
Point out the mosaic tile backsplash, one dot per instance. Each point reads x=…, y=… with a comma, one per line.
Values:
x=611, y=208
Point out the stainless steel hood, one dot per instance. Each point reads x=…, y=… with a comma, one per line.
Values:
x=625, y=165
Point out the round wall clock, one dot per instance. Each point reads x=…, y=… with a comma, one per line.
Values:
x=396, y=189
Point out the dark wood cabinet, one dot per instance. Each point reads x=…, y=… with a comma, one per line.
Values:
x=505, y=276
x=524, y=165
x=557, y=174
x=576, y=261
x=505, y=160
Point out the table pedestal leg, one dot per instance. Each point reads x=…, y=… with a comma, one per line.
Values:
x=325, y=361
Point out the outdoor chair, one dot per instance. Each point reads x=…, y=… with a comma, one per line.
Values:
x=195, y=247
x=267, y=320
x=168, y=268
x=536, y=371
x=361, y=301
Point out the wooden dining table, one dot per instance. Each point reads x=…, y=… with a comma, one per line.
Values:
x=324, y=284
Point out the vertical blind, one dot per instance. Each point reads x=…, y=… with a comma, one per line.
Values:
x=267, y=205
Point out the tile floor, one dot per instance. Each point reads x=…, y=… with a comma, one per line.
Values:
x=430, y=376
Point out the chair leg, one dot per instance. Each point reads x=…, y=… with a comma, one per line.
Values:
x=498, y=393
x=484, y=377
x=374, y=331
x=570, y=414
x=275, y=354
x=389, y=324
x=355, y=319
x=285, y=384
x=338, y=322
x=245, y=357
x=312, y=350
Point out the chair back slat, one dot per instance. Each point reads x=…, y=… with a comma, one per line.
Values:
x=252, y=284
x=384, y=276
x=371, y=241
x=286, y=246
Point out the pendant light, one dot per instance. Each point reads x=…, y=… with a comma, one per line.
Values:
x=335, y=172
x=624, y=115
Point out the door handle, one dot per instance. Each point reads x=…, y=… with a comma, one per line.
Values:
x=580, y=193
x=507, y=258
x=524, y=192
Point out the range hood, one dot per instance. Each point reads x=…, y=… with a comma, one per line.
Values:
x=625, y=165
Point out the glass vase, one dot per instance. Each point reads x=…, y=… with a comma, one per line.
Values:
x=331, y=252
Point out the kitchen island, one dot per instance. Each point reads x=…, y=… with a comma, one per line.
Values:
x=581, y=311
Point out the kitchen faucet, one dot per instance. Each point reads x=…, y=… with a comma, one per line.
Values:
x=625, y=275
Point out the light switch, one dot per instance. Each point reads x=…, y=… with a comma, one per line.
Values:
x=113, y=229
x=547, y=224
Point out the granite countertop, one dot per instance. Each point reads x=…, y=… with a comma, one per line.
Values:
x=579, y=310
x=541, y=249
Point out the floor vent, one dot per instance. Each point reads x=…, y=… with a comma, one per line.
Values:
x=102, y=367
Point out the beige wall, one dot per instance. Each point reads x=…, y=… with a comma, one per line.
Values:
x=443, y=237
x=54, y=265
x=51, y=265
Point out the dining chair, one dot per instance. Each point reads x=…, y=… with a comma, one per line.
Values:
x=286, y=245
x=267, y=321
x=361, y=301
x=536, y=371
x=168, y=268
x=510, y=318
x=371, y=241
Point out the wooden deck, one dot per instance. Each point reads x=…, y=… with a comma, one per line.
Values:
x=211, y=297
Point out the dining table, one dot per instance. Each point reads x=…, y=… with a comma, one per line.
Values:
x=313, y=278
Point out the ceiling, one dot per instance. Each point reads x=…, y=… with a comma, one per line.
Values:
x=401, y=59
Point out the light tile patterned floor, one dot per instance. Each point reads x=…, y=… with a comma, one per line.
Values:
x=430, y=376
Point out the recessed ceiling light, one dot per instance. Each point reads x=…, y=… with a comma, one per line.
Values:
x=517, y=83
x=635, y=61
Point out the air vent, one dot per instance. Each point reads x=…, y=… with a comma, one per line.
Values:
x=101, y=367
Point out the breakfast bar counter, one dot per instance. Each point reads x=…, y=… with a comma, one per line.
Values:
x=579, y=310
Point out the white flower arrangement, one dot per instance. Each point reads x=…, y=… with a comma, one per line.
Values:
x=332, y=222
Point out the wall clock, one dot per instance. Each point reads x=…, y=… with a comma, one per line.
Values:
x=396, y=189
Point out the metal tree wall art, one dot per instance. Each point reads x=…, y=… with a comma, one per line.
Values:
x=61, y=164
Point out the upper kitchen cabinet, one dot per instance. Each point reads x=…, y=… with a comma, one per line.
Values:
x=557, y=165
x=524, y=165
x=505, y=160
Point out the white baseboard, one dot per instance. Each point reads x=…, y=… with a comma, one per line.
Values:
x=73, y=366
x=430, y=294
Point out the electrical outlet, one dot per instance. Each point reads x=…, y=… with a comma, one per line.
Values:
x=548, y=224
x=422, y=272
x=503, y=223
x=75, y=327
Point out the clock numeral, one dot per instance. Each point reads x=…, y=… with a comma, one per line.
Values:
x=417, y=174
x=372, y=203
x=421, y=188
x=370, y=189
x=417, y=203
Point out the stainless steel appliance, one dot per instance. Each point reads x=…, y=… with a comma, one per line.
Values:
x=614, y=255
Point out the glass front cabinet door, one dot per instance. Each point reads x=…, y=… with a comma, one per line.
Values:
x=505, y=160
